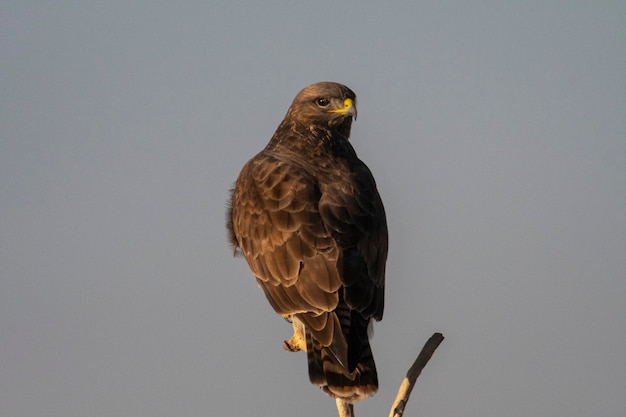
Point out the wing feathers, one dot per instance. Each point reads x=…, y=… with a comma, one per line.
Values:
x=317, y=253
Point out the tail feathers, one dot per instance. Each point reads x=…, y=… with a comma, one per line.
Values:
x=336, y=379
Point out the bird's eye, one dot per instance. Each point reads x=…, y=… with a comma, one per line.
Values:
x=322, y=102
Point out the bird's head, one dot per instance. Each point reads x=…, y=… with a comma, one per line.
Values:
x=324, y=104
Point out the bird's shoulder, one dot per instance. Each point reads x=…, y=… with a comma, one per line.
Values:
x=275, y=181
x=274, y=201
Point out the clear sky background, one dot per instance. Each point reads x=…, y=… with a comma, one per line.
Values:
x=497, y=135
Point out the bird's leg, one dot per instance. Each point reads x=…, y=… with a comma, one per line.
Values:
x=298, y=340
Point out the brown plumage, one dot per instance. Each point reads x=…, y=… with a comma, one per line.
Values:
x=306, y=215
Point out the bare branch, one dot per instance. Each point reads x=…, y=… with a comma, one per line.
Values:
x=345, y=409
x=397, y=408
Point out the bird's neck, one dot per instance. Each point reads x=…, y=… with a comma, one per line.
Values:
x=313, y=140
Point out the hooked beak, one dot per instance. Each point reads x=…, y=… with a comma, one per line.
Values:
x=348, y=108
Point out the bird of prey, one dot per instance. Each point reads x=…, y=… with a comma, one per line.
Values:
x=306, y=215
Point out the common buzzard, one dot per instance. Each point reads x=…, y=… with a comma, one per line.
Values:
x=306, y=215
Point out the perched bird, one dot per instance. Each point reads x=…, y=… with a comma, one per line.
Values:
x=306, y=215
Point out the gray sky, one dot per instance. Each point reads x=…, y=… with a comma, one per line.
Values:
x=496, y=133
